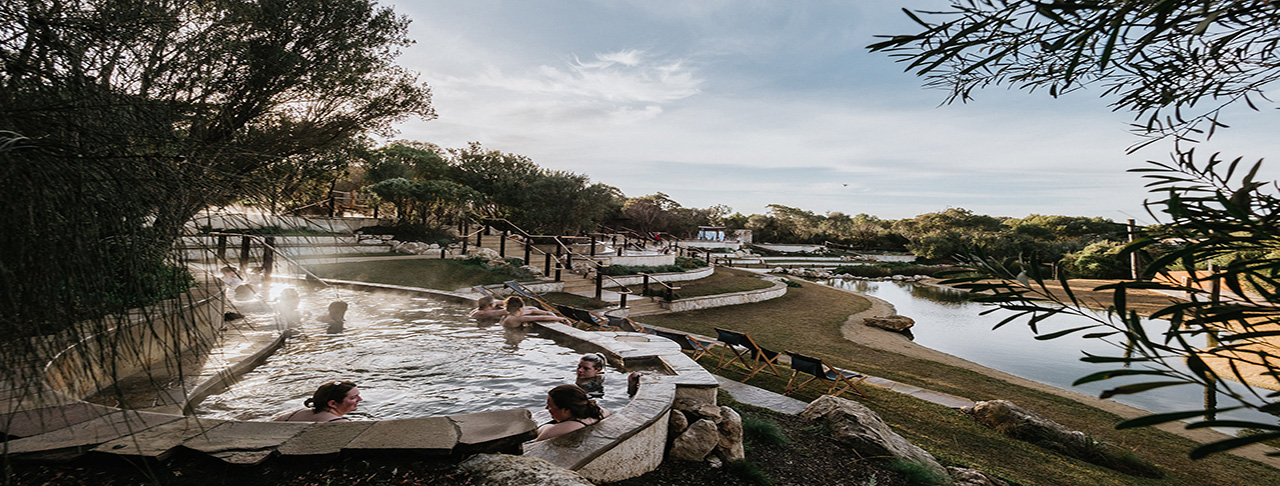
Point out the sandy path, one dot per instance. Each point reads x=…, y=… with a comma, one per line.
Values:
x=854, y=330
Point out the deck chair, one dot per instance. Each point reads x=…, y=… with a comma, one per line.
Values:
x=626, y=324
x=482, y=290
x=839, y=380
x=752, y=355
x=581, y=315
x=687, y=342
x=588, y=317
x=532, y=298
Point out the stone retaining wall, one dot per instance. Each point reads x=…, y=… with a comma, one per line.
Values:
x=706, y=302
x=147, y=337
x=694, y=274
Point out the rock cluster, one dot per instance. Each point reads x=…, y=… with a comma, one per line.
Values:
x=489, y=255
x=818, y=273
x=414, y=247
x=704, y=432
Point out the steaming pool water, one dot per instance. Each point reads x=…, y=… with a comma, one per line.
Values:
x=411, y=357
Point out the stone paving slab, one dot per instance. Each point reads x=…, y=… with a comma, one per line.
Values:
x=431, y=435
x=479, y=428
x=245, y=436
x=91, y=433
x=159, y=442
x=323, y=439
x=42, y=420
x=760, y=397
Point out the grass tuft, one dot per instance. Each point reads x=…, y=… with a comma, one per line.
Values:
x=917, y=472
x=764, y=430
x=749, y=472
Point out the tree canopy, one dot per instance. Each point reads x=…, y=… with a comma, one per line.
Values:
x=1174, y=64
x=121, y=120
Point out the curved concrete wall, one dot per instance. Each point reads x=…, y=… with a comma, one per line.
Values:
x=633, y=440
x=153, y=336
x=666, y=277
x=706, y=302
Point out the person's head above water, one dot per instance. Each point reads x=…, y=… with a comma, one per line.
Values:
x=486, y=302
x=514, y=304
x=337, y=310
x=569, y=402
x=590, y=366
x=336, y=397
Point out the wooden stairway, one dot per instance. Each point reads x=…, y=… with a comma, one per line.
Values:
x=574, y=283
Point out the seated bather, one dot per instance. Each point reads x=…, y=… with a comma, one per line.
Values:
x=590, y=374
x=487, y=309
x=230, y=277
x=570, y=410
x=245, y=300
x=287, y=308
x=329, y=403
x=518, y=314
x=336, y=317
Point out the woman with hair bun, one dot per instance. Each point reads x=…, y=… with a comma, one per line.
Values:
x=570, y=410
x=329, y=403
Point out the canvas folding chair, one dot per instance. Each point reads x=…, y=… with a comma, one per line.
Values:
x=626, y=324
x=687, y=342
x=838, y=380
x=586, y=317
x=482, y=290
x=746, y=351
x=532, y=298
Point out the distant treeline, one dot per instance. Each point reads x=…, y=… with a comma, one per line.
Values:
x=422, y=184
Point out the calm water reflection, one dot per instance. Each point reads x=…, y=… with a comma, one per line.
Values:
x=946, y=320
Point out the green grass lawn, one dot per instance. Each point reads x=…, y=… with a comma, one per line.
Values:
x=425, y=273
x=808, y=320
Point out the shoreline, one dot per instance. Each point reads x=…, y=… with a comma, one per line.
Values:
x=855, y=331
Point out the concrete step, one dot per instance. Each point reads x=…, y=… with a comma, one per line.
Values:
x=645, y=309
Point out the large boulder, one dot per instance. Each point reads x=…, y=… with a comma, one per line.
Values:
x=861, y=429
x=677, y=423
x=508, y=470
x=695, y=409
x=730, y=446
x=890, y=323
x=696, y=442
x=1009, y=419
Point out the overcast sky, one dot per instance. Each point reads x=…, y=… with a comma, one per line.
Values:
x=750, y=103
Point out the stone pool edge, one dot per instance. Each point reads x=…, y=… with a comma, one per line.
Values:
x=627, y=444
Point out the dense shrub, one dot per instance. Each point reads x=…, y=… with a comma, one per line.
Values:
x=682, y=264
x=1101, y=259
x=414, y=232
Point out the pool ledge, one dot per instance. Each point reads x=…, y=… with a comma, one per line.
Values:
x=633, y=440
x=54, y=423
